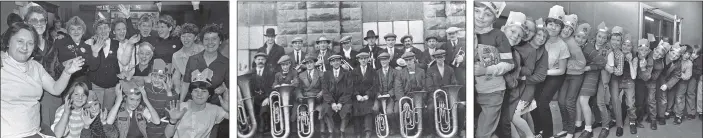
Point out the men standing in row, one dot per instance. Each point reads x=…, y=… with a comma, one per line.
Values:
x=324, y=52
x=298, y=54
x=348, y=54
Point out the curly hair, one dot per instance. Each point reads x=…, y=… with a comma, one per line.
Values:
x=75, y=21
x=187, y=28
x=213, y=28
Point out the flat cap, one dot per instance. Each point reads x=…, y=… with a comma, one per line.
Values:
x=384, y=55
x=345, y=39
x=284, y=58
x=407, y=55
x=260, y=54
x=296, y=39
x=438, y=53
x=362, y=55
x=389, y=35
x=453, y=29
x=333, y=57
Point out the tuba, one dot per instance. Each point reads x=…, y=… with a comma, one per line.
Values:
x=280, y=117
x=445, y=110
x=306, y=127
x=381, y=121
x=411, y=114
x=245, y=108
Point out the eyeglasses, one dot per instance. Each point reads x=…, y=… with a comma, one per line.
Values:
x=37, y=22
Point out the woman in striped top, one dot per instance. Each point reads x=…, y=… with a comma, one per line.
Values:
x=71, y=117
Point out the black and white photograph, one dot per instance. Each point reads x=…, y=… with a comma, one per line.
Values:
x=106, y=69
x=351, y=69
x=588, y=69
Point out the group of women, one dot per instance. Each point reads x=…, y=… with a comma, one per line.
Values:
x=120, y=82
x=524, y=64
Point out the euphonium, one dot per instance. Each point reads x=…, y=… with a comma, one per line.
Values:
x=445, y=110
x=280, y=117
x=411, y=114
x=245, y=108
x=306, y=127
x=382, y=128
x=458, y=53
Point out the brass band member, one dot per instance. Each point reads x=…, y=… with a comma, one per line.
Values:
x=289, y=76
x=298, y=54
x=372, y=48
x=310, y=84
x=261, y=85
x=412, y=78
x=324, y=52
x=388, y=85
x=365, y=92
x=336, y=92
x=348, y=53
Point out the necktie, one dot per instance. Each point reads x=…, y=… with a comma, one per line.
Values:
x=297, y=56
x=336, y=74
x=390, y=51
x=261, y=72
x=441, y=70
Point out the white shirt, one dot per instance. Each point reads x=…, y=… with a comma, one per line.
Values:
x=311, y=72
x=260, y=71
x=336, y=72
x=454, y=42
x=441, y=69
x=390, y=51
x=347, y=53
x=363, y=70
x=298, y=55
x=431, y=50
x=385, y=70
x=268, y=49
x=106, y=49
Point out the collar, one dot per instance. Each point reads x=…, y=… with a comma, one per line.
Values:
x=347, y=51
x=362, y=66
x=386, y=68
x=337, y=70
x=296, y=51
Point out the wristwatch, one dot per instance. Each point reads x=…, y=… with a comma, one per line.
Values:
x=171, y=122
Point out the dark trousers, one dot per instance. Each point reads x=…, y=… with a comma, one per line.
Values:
x=568, y=96
x=542, y=116
x=363, y=124
x=641, y=99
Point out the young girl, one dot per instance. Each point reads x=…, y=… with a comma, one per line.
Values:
x=627, y=85
x=645, y=64
x=681, y=92
x=569, y=91
x=514, y=31
x=74, y=116
x=533, y=71
x=195, y=118
x=595, y=54
x=558, y=54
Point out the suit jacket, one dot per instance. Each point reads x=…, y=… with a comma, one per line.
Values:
x=426, y=58
x=412, y=82
x=291, y=77
x=310, y=86
x=671, y=74
x=294, y=61
x=262, y=83
x=337, y=90
x=435, y=80
x=418, y=55
x=452, y=51
x=328, y=53
x=352, y=60
x=397, y=54
x=388, y=83
x=364, y=85
x=276, y=53
x=374, y=52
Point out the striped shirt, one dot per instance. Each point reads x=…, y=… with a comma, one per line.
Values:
x=159, y=100
x=75, y=122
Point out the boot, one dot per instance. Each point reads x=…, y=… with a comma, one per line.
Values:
x=633, y=128
x=604, y=133
x=619, y=132
x=678, y=120
x=654, y=125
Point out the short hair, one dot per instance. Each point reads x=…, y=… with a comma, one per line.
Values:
x=35, y=9
x=188, y=28
x=546, y=34
x=168, y=20
x=212, y=28
x=146, y=44
x=76, y=21
x=14, y=29
x=101, y=22
x=13, y=18
x=556, y=21
x=199, y=85
x=145, y=18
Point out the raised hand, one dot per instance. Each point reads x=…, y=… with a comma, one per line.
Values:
x=87, y=120
x=124, y=10
x=74, y=65
x=103, y=117
x=175, y=111
x=225, y=102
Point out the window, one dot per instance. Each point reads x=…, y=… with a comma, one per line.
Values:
x=415, y=28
